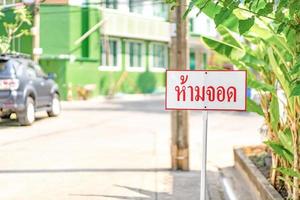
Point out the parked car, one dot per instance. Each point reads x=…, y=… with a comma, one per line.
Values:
x=25, y=89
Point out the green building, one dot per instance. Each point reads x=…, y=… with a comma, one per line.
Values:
x=110, y=46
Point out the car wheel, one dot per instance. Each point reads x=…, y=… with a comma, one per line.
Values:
x=27, y=117
x=55, y=106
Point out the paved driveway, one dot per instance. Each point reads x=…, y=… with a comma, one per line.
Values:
x=116, y=149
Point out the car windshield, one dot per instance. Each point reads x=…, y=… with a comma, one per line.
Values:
x=6, y=68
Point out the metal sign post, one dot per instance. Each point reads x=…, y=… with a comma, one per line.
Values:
x=206, y=90
x=204, y=157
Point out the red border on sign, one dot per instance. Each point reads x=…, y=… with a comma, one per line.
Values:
x=206, y=109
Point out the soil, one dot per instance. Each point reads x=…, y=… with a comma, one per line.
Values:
x=263, y=161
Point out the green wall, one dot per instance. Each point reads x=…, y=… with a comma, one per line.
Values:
x=55, y=26
x=61, y=26
x=59, y=67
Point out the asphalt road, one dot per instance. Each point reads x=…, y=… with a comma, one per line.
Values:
x=117, y=149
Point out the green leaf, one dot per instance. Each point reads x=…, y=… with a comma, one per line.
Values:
x=294, y=7
x=281, y=27
x=281, y=43
x=228, y=36
x=282, y=4
x=295, y=69
x=296, y=91
x=254, y=107
x=280, y=150
x=189, y=9
x=260, y=86
x=227, y=3
x=281, y=75
x=285, y=138
x=288, y=172
x=245, y=25
x=223, y=48
x=222, y=16
x=266, y=10
x=274, y=113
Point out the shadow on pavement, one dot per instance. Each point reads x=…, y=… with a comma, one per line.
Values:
x=185, y=185
x=14, y=123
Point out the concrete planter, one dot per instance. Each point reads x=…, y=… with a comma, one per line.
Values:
x=255, y=179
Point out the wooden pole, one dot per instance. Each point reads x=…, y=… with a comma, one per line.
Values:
x=179, y=56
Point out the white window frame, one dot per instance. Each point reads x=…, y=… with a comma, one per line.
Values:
x=153, y=68
x=119, y=57
x=136, y=3
x=5, y=4
x=127, y=57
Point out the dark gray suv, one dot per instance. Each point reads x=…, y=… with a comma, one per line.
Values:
x=25, y=89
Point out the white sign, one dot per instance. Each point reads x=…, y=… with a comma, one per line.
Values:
x=206, y=90
x=37, y=51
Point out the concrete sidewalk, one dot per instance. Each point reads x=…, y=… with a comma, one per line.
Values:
x=116, y=149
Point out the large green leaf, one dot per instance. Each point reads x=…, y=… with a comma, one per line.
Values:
x=223, y=48
x=253, y=61
x=228, y=37
x=281, y=75
x=266, y=10
x=232, y=22
x=222, y=16
x=260, y=86
x=280, y=42
x=245, y=25
x=254, y=107
x=296, y=90
x=274, y=113
x=288, y=172
x=280, y=150
x=211, y=10
x=295, y=69
x=285, y=138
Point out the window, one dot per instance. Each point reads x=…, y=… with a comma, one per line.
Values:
x=191, y=24
x=192, y=60
x=159, y=56
x=6, y=68
x=110, y=54
x=111, y=4
x=160, y=10
x=36, y=68
x=135, y=56
x=39, y=71
x=9, y=2
x=135, y=6
x=31, y=73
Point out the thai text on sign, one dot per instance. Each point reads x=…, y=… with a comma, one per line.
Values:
x=206, y=90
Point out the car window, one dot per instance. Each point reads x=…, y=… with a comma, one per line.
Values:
x=6, y=68
x=31, y=71
x=39, y=71
x=17, y=65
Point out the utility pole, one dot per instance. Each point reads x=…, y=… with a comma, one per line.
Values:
x=36, y=50
x=179, y=57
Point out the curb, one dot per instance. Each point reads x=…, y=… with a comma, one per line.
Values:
x=256, y=180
